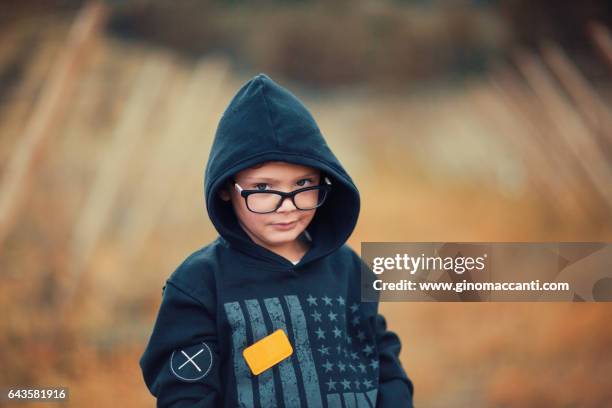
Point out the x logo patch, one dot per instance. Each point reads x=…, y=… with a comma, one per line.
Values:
x=192, y=363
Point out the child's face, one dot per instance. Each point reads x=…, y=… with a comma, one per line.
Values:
x=267, y=229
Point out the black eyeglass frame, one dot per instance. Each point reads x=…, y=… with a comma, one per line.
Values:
x=283, y=195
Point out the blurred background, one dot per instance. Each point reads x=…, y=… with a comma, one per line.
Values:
x=464, y=120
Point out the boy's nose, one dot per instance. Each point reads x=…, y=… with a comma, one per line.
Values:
x=286, y=205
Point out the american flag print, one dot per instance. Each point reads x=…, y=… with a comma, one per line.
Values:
x=334, y=363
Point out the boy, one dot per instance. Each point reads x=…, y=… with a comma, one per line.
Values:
x=284, y=207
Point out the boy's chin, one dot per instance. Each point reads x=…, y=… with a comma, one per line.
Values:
x=281, y=237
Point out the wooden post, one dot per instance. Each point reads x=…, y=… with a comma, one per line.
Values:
x=602, y=39
x=583, y=153
x=590, y=105
x=168, y=162
x=545, y=163
x=100, y=201
x=47, y=112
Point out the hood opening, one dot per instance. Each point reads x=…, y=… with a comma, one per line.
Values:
x=265, y=122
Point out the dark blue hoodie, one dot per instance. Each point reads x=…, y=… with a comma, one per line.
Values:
x=233, y=292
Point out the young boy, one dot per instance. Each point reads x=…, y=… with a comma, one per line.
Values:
x=284, y=207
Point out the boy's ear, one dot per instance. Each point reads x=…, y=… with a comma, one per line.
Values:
x=224, y=191
x=224, y=194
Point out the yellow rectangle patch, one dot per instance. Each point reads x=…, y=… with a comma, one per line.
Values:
x=267, y=352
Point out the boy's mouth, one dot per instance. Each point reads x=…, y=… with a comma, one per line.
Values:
x=285, y=225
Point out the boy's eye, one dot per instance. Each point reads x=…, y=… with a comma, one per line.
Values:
x=261, y=186
x=304, y=182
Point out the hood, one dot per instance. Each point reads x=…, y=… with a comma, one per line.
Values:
x=266, y=122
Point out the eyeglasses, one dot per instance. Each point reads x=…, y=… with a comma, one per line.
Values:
x=268, y=201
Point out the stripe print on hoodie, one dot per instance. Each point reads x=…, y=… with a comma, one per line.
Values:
x=233, y=292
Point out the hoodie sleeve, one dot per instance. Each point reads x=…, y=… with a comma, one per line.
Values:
x=180, y=364
x=395, y=388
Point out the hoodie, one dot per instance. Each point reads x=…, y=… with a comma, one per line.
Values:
x=233, y=292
